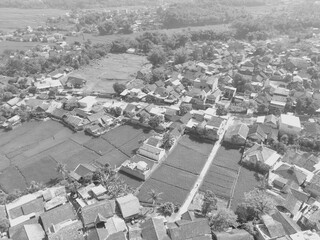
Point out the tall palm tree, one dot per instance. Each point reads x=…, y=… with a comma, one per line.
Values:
x=62, y=169
x=154, y=197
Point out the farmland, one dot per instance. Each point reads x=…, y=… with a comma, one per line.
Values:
x=31, y=152
x=114, y=68
x=226, y=178
x=13, y=18
x=178, y=173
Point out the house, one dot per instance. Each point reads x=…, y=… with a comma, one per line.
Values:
x=313, y=186
x=154, y=229
x=71, y=232
x=29, y=232
x=260, y=153
x=75, y=82
x=129, y=206
x=234, y=234
x=184, y=229
x=57, y=217
x=269, y=120
x=214, y=97
x=115, y=224
x=84, y=169
x=229, y=92
x=257, y=134
x=289, y=124
x=307, y=161
x=310, y=217
x=270, y=229
x=236, y=134
x=93, y=214
x=138, y=166
x=305, y=235
x=151, y=148
x=292, y=173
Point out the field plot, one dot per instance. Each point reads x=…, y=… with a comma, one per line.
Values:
x=174, y=177
x=222, y=175
x=31, y=152
x=228, y=158
x=11, y=179
x=220, y=181
x=169, y=193
x=99, y=145
x=114, y=68
x=246, y=182
x=186, y=159
x=178, y=173
x=13, y=18
x=43, y=171
x=115, y=158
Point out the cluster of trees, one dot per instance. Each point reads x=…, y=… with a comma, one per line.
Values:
x=20, y=66
x=258, y=166
x=186, y=14
x=69, y=4
x=299, y=19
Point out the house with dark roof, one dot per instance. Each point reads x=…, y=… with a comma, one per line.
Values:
x=84, y=169
x=313, y=186
x=75, y=82
x=92, y=215
x=71, y=232
x=183, y=229
x=234, y=234
x=270, y=229
x=236, y=134
x=292, y=173
x=154, y=229
x=310, y=217
x=29, y=232
x=129, y=206
x=53, y=218
x=256, y=134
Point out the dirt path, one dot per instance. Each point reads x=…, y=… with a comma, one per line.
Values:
x=203, y=173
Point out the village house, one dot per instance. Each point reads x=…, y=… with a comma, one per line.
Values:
x=289, y=124
x=138, y=166
x=270, y=229
x=129, y=206
x=236, y=134
x=75, y=82
x=260, y=153
x=151, y=149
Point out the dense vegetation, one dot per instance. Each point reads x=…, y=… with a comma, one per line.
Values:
x=67, y=4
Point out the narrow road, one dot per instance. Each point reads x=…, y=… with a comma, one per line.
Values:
x=185, y=206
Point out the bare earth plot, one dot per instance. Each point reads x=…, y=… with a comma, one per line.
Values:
x=102, y=74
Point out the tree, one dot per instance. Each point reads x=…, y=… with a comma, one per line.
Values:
x=222, y=220
x=167, y=209
x=239, y=82
x=154, y=197
x=107, y=27
x=4, y=225
x=284, y=139
x=32, y=90
x=209, y=202
x=119, y=88
x=167, y=141
x=155, y=121
x=117, y=111
x=184, y=109
x=221, y=111
x=62, y=169
x=158, y=74
x=157, y=56
x=180, y=56
x=144, y=117
x=258, y=203
x=7, y=96
x=35, y=186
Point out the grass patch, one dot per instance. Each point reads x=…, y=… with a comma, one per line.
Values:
x=115, y=158
x=99, y=145
x=43, y=171
x=175, y=177
x=11, y=179
x=186, y=159
x=169, y=193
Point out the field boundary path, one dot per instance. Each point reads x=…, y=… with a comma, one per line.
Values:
x=195, y=189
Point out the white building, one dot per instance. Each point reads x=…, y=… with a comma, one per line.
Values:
x=289, y=124
x=151, y=149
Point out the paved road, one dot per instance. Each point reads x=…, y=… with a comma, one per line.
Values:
x=203, y=173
